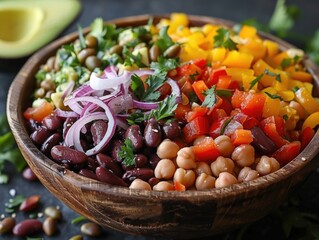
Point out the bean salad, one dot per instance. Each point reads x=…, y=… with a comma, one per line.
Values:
x=171, y=107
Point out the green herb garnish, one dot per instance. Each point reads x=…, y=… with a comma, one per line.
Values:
x=78, y=219
x=222, y=39
x=165, y=108
x=255, y=81
x=131, y=59
x=163, y=65
x=135, y=118
x=274, y=96
x=127, y=153
x=210, y=97
x=272, y=74
x=224, y=92
x=225, y=124
x=164, y=41
x=81, y=37
x=14, y=203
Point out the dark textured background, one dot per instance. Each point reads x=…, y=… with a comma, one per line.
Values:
x=266, y=228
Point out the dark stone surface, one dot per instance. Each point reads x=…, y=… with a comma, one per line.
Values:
x=266, y=228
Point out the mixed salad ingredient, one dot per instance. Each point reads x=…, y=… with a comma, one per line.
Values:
x=169, y=106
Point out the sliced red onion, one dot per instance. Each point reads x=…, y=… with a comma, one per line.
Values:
x=121, y=122
x=84, y=90
x=110, y=72
x=65, y=114
x=145, y=105
x=175, y=90
x=121, y=103
x=99, y=83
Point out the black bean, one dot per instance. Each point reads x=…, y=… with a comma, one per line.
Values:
x=108, y=177
x=52, y=122
x=60, y=153
x=262, y=142
x=152, y=133
x=172, y=129
x=98, y=130
x=51, y=141
x=40, y=135
x=141, y=173
x=134, y=134
x=109, y=163
x=88, y=173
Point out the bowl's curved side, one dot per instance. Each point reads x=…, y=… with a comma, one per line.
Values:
x=171, y=214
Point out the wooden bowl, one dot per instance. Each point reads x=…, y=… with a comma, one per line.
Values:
x=170, y=214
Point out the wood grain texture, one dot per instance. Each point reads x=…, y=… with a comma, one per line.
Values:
x=171, y=214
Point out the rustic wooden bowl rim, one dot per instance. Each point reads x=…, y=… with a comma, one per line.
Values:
x=16, y=121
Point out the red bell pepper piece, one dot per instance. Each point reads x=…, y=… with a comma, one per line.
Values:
x=287, y=152
x=195, y=128
x=306, y=135
x=206, y=150
x=214, y=77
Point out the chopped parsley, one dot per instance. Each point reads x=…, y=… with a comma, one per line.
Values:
x=288, y=61
x=131, y=59
x=210, y=97
x=164, y=64
x=165, y=108
x=225, y=124
x=272, y=74
x=224, y=92
x=223, y=39
x=274, y=96
x=135, y=118
x=127, y=153
x=255, y=81
x=164, y=41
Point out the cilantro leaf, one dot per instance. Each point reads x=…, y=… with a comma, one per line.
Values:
x=255, y=81
x=165, y=108
x=210, y=97
x=274, y=96
x=137, y=86
x=164, y=41
x=127, y=153
x=222, y=39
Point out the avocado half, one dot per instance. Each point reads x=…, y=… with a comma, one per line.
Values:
x=27, y=25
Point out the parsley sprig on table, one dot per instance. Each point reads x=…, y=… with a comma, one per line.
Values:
x=8, y=151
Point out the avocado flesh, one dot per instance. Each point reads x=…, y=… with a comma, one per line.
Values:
x=26, y=26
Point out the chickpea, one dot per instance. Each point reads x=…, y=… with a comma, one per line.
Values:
x=167, y=149
x=203, y=167
x=204, y=181
x=247, y=174
x=222, y=164
x=165, y=169
x=186, y=158
x=267, y=165
x=244, y=155
x=224, y=145
x=225, y=179
x=163, y=186
x=140, y=184
x=185, y=177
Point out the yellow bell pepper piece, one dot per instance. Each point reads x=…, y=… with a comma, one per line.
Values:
x=303, y=96
x=280, y=57
x=254, y=47
x=271, y=107
x=238, y=59
x=218, y=54
x=281, y=82
x=301, y=76
x=308, y=86
x=246, y=80
x=259, y=67
x=238, y=73
x=247, y=32
x=177, y=20
x=272, y=48
x=311, y=121
x=287, y=95
x=189, y=52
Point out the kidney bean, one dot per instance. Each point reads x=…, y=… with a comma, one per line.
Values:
x=60, y=153
x=29, y=174
x=52, y=122
x=88, y=173
x=153, y=181
x=152, y=133
x=40, y=135
x=32, y=125
x=141, y=173
x=153, y=160
x=49, y=226
x=48, y=144
x=67, y=124
x=117, y=144
x=98, y=130
x=106, y=176
x=262, y=142
x=134, y=134
x=27, y=227
x=141, y=161
x=29, y=203
x=92, y=164
x=91, y=229
x=108, y=163
x=7, y=224
x=171, y=130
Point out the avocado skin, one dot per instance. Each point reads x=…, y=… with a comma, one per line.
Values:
x=57, y=15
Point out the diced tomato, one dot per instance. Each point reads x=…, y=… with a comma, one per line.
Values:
x=226, y=105
x=217, y=126
x=217, y=113
x=195, y=112
x=190, y=70
x=287, y=152
x=306, y=135
x=40, y=112
x=181, y=111
x=241, y=136
x=278, y=121
x=178, y=186
x=250, y=123
x=201, y=63
x=195, y=128
x=234, y=85
x=223, y=82
x=237, y=98
x=214, y=77
x=253, y=105
x=271, y=131
x=206, y=150
x=199, y=88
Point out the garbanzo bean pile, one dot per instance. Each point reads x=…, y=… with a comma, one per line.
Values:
x=168, y=106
